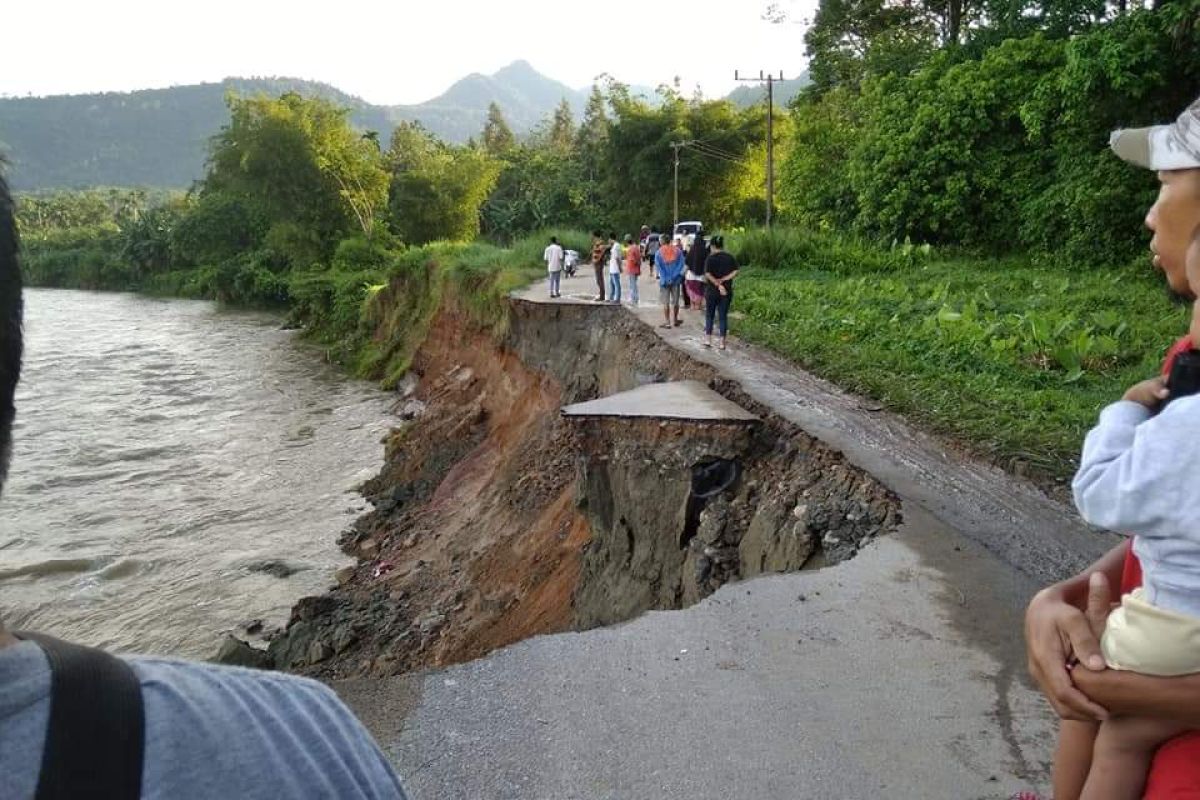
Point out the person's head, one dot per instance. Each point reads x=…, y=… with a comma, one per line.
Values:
x=10, y=326
x=612, y=236
x=628, y=239
x=1174, y=152
x=717, y=242
x=597, y=235
x=553, y=240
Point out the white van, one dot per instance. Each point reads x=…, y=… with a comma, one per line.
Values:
x=687, y=231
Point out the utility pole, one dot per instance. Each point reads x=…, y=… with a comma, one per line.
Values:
x=770, y=79
x=676, y=147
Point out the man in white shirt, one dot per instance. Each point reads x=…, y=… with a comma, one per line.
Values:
x=615, y=256
x=554, y=261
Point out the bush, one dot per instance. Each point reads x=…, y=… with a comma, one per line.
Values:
x=795, y=248
x=216, y=228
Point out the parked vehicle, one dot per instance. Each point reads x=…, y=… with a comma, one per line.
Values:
x=687, y=232
x=571, y=262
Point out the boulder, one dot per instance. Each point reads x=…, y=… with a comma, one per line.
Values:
x=234, y=652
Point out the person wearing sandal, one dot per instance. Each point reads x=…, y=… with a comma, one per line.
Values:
x=669, y=261
x=720, y=268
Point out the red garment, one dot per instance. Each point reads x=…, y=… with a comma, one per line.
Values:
x=633, y=260
x=1175, y=773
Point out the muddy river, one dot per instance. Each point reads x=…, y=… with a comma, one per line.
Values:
x=178, y=470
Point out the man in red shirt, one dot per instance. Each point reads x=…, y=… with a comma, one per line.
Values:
x=1063, y=621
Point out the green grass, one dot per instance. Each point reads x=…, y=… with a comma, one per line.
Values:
x=373, y=321
x=1012, y=358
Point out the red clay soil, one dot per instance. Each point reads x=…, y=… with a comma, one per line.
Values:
x=475, y=542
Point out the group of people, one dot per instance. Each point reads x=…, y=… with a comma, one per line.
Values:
x=692, y=271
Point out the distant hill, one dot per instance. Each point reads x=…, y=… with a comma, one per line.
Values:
x=785, y=91
x=523, y=94
x=153, y=137
x=159, y=137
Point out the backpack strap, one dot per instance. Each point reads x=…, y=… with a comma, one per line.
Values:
x=95, y=741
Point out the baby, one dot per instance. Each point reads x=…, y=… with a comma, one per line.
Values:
x=1140, y=474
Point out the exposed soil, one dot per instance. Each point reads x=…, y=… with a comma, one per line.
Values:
x=496, y=519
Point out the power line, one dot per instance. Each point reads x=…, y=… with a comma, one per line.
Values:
x=718, y=153
x=717, y=156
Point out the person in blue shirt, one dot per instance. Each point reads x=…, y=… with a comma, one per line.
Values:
x=668, y=262
x=209, y=731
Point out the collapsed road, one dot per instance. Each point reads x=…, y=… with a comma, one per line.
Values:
x=567, y=608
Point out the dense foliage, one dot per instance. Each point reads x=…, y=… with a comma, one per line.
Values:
x=991, y=138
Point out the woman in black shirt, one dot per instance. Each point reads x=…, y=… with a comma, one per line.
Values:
x=719, y=271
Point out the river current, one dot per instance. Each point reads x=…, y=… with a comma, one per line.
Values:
x=172, y=460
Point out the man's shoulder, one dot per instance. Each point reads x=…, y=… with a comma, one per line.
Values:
x=209, y=687
x=259, y=718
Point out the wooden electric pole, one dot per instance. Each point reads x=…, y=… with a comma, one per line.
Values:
x=676, y=147
x=770, y=79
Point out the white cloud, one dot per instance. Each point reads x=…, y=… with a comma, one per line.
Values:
x=397, y=52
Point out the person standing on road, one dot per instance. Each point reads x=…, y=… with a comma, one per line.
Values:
x=694, y=280
x=680, y=242
x=633, y=268
x=669, y=261
x=598, y=250
x=554, y=262
x=615, y=254
x=719, y=271
x=652, y=244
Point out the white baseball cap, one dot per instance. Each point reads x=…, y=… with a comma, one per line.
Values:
x=1162, y=147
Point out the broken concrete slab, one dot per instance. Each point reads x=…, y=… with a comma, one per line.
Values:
x=682, y=400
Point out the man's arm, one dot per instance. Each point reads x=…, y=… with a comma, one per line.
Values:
x=1057, y=629
x=1131, y=694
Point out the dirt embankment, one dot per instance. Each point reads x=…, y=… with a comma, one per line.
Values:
x=497, y=519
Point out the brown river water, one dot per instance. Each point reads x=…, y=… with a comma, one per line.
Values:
x=165, y=451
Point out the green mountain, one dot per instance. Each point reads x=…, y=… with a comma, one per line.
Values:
x=524, y=95
x=152, y=137
x=159, y=137
x=785, y=91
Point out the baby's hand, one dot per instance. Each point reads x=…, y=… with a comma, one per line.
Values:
x=1149, y=393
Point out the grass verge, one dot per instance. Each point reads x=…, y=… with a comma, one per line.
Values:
x=1011, y=357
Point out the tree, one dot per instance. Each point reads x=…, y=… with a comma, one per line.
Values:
x=850, y=39
x=562, y=128
x=498, y=138
x=590, y=142
x=436, y=190
x=299, y=162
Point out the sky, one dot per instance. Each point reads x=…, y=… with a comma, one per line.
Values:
x=395, y=52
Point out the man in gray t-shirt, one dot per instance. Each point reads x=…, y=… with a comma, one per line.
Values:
x=210, y=732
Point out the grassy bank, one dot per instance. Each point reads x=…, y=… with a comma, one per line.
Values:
x=1012, y=357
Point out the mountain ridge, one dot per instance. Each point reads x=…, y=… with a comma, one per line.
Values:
x=159, y=137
